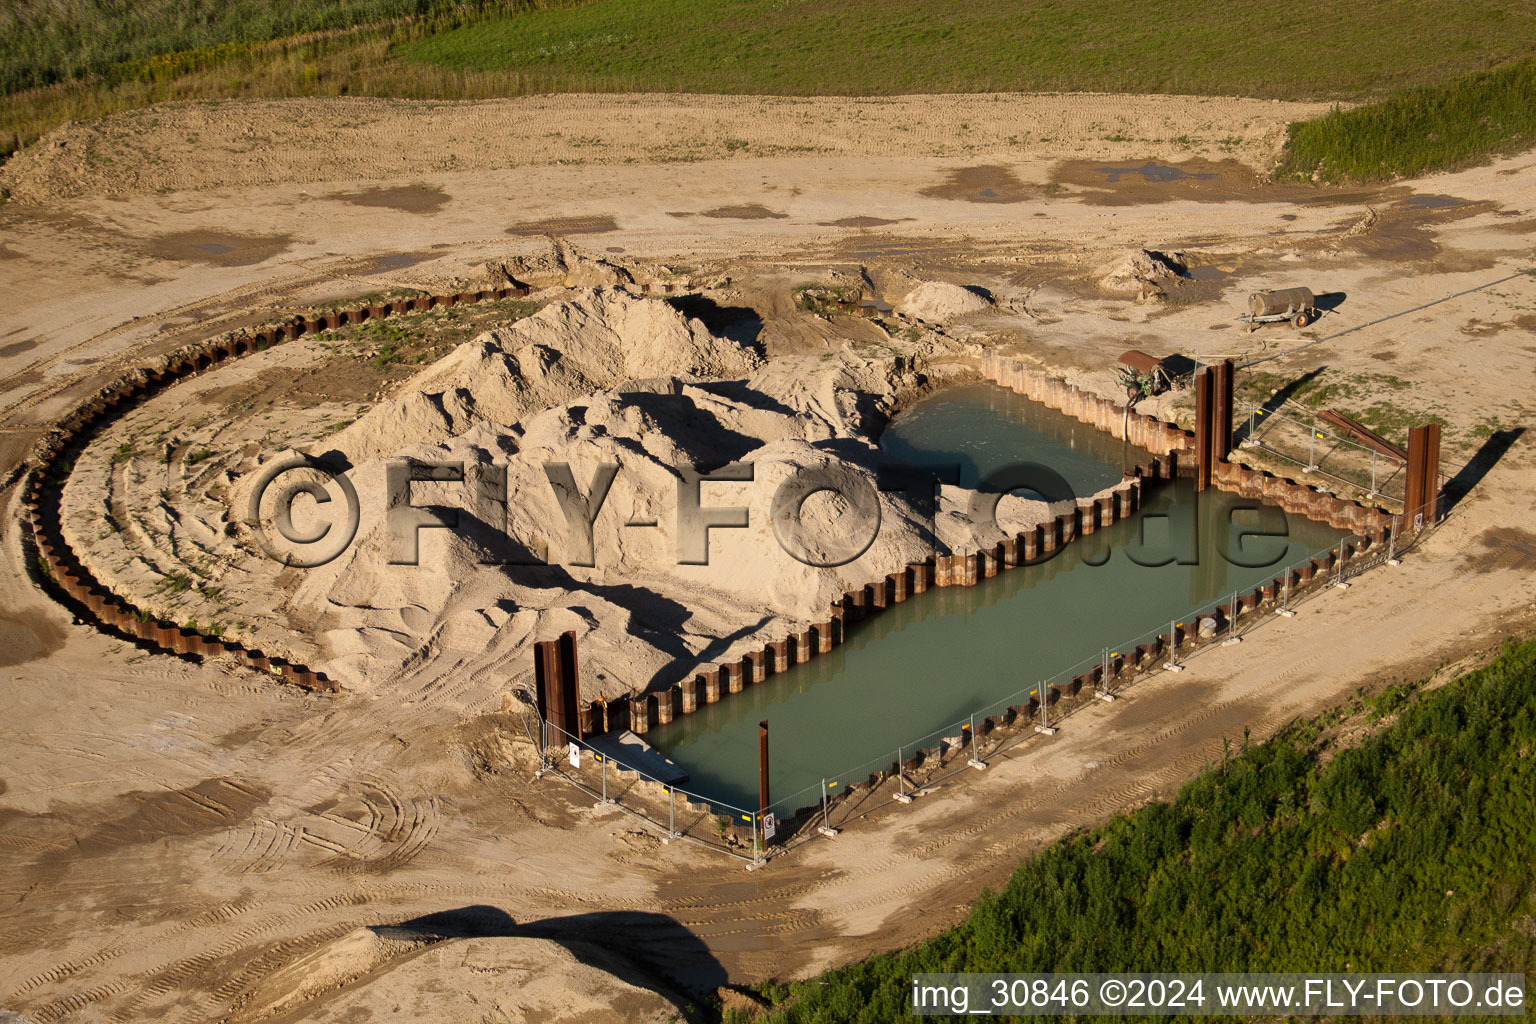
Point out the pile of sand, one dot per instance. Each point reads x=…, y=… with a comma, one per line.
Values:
x=596, y=339
x=601, y=389
x=636, y=602
x=602, y=379
x=1139, y=273
x=940, y=302
x=366, y=975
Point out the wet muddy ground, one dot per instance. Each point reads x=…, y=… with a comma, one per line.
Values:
x=986, y=183
x=423, y=199
x=217, y=248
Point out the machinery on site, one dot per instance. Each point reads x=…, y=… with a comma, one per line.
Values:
x=1144, y=376
x=1298, y=305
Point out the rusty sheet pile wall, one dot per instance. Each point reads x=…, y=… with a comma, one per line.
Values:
x=1163, y=438
x=53, y=457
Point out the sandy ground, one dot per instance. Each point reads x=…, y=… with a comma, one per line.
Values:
x=171, y=834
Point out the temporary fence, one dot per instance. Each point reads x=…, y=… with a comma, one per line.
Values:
x=616, y=780
x=914, y=767
x=1320, y=450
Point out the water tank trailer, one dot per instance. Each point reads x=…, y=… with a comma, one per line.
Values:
x=1298, y=305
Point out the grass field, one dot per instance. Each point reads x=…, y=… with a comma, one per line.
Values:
x=1409, y=850
x=66, y=60
x=1329, y=48
x=47, y=41
x=1423, y=129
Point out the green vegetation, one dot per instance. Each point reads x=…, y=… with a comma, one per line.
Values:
x=1358, y=395
x=1429, y=128
x=47, y=41
x=817, y=298
x=1332, y=48
x=76, y=59
x=1410, y=850
x=177, y=584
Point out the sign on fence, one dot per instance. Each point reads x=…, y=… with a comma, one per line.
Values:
x=575, y=756
x=769, y=826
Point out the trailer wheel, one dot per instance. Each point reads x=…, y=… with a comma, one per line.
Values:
x=1301, y=320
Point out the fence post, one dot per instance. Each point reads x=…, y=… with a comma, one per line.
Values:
x=1232, y=635
x=976, y=761
x=1102, y=691
x=826, y=825
x=1392, y=558
x=1339, y=583
x=605, y=780
x=1173, y=648
x=902, y=796
x=671, y=813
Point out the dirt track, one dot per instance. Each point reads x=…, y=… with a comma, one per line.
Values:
x=169, y=833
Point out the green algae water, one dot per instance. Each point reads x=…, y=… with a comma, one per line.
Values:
x=911, y=674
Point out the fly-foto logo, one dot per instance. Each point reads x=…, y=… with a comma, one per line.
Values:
x=333, y=511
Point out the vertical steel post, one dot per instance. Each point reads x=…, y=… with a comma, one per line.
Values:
x=1173, y=644
x=825, y=824
x=901, y=782
x=762, y=764
x=672, y=812
x=1373, y=471
x=605, y=780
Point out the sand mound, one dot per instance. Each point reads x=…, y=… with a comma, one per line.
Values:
x=365, y=976
x=636, y=598
x=594, y=340
x=941, y=302
x=1139, y=272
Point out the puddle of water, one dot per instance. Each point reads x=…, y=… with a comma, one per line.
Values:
x=1196, y=180
x=394, y=261
x=986, y=183
x=217, y=248
x=1151, y=172
x=929, y=662
x=406, y=198
x=745, y=211
x=594, y=225
x=860, y=222
x=1434, y=203
x=1207, y=273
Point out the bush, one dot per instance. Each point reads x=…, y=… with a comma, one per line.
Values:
x=1413, y=132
